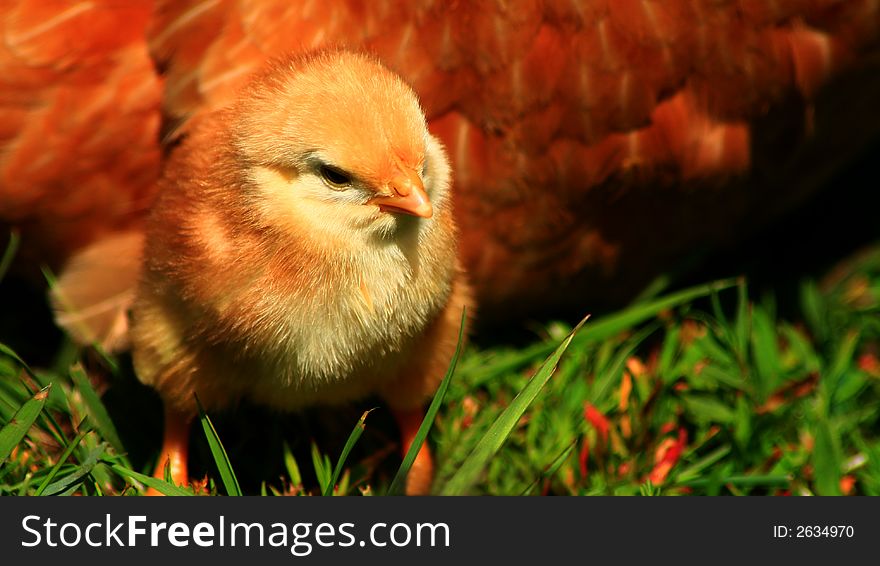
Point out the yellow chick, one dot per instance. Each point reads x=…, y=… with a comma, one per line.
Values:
x=302, y=251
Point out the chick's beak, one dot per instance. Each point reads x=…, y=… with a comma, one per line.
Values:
x=408, y=196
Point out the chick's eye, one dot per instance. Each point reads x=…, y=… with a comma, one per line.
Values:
x=335, y=177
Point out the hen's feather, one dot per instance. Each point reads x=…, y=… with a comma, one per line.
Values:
x=577, y=129
x=79, y=116
x=92, y=297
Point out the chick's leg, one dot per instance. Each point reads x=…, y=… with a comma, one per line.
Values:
x=175, y=448
x=418, y=482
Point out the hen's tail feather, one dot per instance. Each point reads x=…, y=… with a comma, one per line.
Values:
x=92, y=296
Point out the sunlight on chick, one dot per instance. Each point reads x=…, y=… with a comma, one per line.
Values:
x=302, y=251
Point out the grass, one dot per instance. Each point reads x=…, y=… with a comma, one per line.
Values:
x=706, y=391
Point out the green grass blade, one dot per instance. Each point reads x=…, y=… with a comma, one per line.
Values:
x=491, y=442
x=693, y=471
x=291, y=466
x=227, y=475
x=67, y=452
x=610, y=325
x=552, y=468
x=349, y=444
x=740, y=481
x=765, y=353
x=668, y=353
x=601, y=389
x=840, y=361
x=95, y=407
x=322, y=471
x=16, y=429
x=7, y=351
x=654, y=288
x=9, y=254
x=344, y=483
x=718, y=311
x=162, y=487
x=166, y=472
x=68, y=483
x=826, y=460
x=707, y=409
x=814, y=309
x=743, y=323
x=399, y=481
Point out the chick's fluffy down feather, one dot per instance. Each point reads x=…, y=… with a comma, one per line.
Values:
x=262, y=280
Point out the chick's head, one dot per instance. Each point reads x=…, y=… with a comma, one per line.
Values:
x=337, y=144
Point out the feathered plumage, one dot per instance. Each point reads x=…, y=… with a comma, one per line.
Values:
x=576, y=129
x=302, y=249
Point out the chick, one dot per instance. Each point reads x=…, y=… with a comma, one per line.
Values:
x=302, y=251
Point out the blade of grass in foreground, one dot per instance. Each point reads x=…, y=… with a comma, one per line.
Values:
x=464, y=478
x=552, y=468
x=321, y=465
x=230, y=482
x=609, y=325
x=349, y=444
x=8, y=352
x=826, y=459
x=291, y=466
x=397, y=484
x=162, y=487
x=67, y=452
x=16, y=429
x=96, y=409
x=71, y=482
x=614, y=324
x=740, y=481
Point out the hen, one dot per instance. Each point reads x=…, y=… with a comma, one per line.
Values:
x=576, y=129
